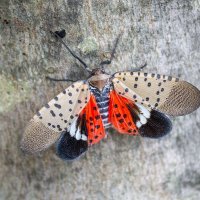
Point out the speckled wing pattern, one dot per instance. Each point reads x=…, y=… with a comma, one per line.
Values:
x=137, y=104
x=154, y=96
x=85, y=131
x=56, y=117
x=167, y=94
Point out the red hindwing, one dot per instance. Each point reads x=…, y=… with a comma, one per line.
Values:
x=120, y=116
x=94, y=123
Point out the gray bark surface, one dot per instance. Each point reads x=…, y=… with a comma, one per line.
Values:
x=163, y=33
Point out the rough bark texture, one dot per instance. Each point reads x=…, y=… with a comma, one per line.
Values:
x=163, y=33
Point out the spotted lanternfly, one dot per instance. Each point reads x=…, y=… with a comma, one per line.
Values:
x=134, y=103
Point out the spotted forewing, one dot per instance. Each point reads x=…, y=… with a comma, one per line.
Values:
x=167, y=94
x=138, y=105
x=55, y=117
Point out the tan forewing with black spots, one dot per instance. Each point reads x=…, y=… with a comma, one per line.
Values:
x=165, y=93
x=56, y=116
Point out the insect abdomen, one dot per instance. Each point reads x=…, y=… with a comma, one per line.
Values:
x=102, y=99
x=103, y=105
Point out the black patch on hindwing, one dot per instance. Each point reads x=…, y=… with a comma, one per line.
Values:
x=158, y=125
x=68, y=147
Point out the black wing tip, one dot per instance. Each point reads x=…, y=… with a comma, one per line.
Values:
x=61, y=33
x=69, y=149
x=159, y=125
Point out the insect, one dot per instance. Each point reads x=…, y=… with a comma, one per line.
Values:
x=132, y=102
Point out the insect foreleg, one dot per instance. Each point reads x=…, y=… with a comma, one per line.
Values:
x=136, y=69
x=54, y=79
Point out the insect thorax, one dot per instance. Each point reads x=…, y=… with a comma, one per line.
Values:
x=99, y=78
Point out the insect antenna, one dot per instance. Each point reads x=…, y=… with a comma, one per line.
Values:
x=61, y=34
x=107, y=62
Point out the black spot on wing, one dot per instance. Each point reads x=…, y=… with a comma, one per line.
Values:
x=126, y=90
x=157, y=126
x=121, y=121
x=97, y=117
x=97, y=126
x=118, y=115
x=135, y=85
x=57, y=106
x=52, y=113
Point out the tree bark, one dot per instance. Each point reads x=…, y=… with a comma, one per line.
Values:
x=162, y=33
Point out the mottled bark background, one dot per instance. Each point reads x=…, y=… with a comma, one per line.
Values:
x=163, y=33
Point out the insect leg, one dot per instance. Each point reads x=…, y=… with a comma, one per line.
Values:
x=136, y=69
x=54, y=79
